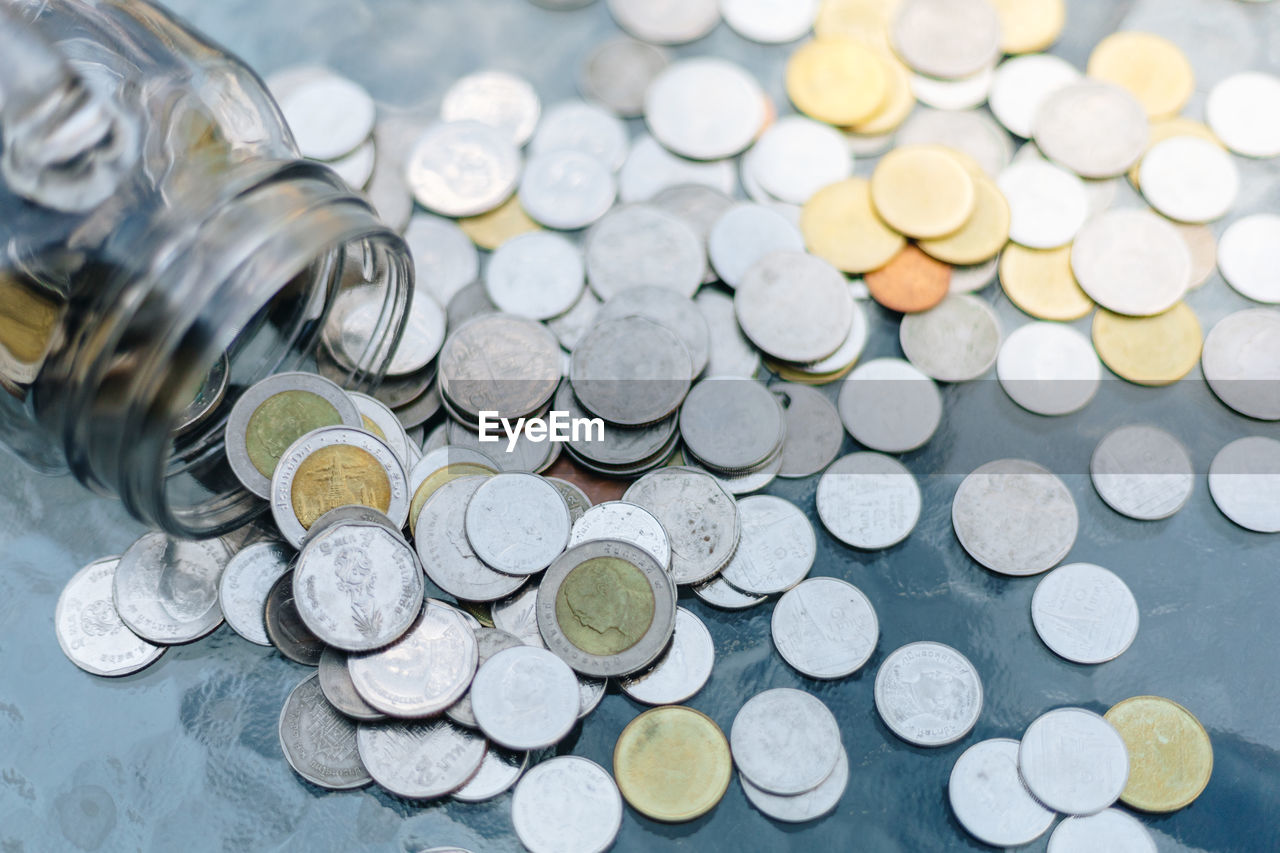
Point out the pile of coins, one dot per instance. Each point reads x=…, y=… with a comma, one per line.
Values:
x=624, y=285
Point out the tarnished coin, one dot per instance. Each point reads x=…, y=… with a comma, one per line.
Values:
x=579, y=126
x=928, y=694
x=89, y=629
x=1084, y=613
x=825, y=628
x=672, y=764
x=463, y=168
x=489, y=641
x=731, y=425
x=566, y=189
x=988, y=798
x=525, y=698
x=1048, y=368
x=700, y=517
x=810, y=805
x=1244, y=481
x=794, y=306
x=868, y=500
x=1022, y=83
x=318, y=742
x=244, y=584
x=798, y=156
x=890, y=406
x=618, y=71
x=499, y=362
x=566, y=803
x=1170, y=755
x=718, y=592
x=744, y=234
x=813, y=429
x=166, y=590
x=1131, y=262
x=285, y=628
x=329, y=115
x=335, y=681
x=946, y=38
x=1110, y=829
x=650, y=169
x=704, y=108
x=498, y=772
x=954, y=341
x=1143, y=472
x=499, y=99
x=785, y=741
x=1248, y=257
x=537, y=275
x=777, y=549
x=666, y=308
x=1242, y=110
x=1189, y=179
x=1241, y=362
x=446, y=554
x=639, y=244
x=420, y=760
x=1095, y=129
x=625, y=521
x=1047, y=204
x=630, y=371
x=683, y=668
x=517, y=523
x=1073, y=761
x=1014, y=517
x=731, y=353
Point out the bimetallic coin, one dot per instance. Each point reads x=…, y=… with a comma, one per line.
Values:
x=618, y=71
x=525, y=698
x=704, y=108
x=1073, y=761
x=1014, y=517
x=639, y=244
x=1170, y=755
x=166, y=590
x=335, y=681
x=1242, y=110
x=420, y=760
x=499, y=362
x=813, y=429
x=1143, y=472
x=1084, y=613
x=1110, y=829
x=566, y=189
x=946, y=38
x=682, y=670
x=1131, y=262
x=954, y=341
x=794, y=306
x=463, y=168
x=1248, y=257
x=489, y=641
x=446, y=554
x=988, y=798
x=810, y=805
x=700, y=517
x=1095, y=129
x=1244, y=481
x=928, y=694
x=825, y=628
x=517, y=523
x=244, y=584
x=744, y=234
x=777, y=548
x=1048, y=368
x=285, y=628
x=89, y=629
x=498, y=772
x=890, y=406
x=672, y=764
x=627, y=522
x=1241, y=362
x=785, y=741
x=318, y=742
x=630, y=371
x=496, y=98
x=566, y=803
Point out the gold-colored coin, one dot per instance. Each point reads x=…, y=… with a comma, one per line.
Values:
x=436, y=479
x=1170, y=755
x=1041, y=283
x=923, y=191
x=866, y=21
x=1028, y=26
x=604, y=606
x=983, y=235
x=791, y=374
x=672, y=764
x=1167, y=129
x=841, y=227
x=338, y=475
x=1149, y=350
x=1152, y=68
x=482, y=610
x=282, y=419
x=899, y=100
x=839, y=81
x=370, y=426
x=490, y=230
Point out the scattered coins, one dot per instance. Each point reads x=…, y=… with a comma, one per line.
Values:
x=318, y=742
x=1109, y=829
x=90, y=630
x=956, y=340
x=988, y=798
x=700, y=517
x=672, y=764
x=890, y=406
x=777, y=549
x=1154, y=350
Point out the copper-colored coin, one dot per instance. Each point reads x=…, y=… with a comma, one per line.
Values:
x=910, y=282
x=1149, y=350
x=1170, y=755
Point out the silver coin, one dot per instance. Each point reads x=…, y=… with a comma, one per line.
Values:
x=890, y=406
x=418, y=411
x=810, y=805
x=650, y=169
x=285, y=628
x=388, y=191
x=469, y=302
x=166, y=590
x=570, y=326
x=489, y=641
x=666, y=21
x=785, y=741
x=959, y=93
x=358, y=327
x=498, y=99
x=1242, y=110
x=794, y=306
x=1047, y=204
x=928, y=694
x=525, y=456
x=849, y=351
x=1244, y=481
x=750, y=481
x=731, y=353
x=583, y=127
x=814, y=432
x=1247, y=254
x=499, y=362
x=1021, y=84
x=618, y=71
x=244, y=584
x=704, y=108
x=732, y=425
x=420, y=760
x=634, y=450
x=625, y=521
x=946, y=38
x=566, y=803
x=769, y=21
x=446, y=555
x=825, y=628
x=590, y=694
x=777, y=550
x=666, y=308
x=463, y=168
x=797, y=156
x=356, y=168
x=207, y=400
x=955, y=341
x=630, y=371
x=868, y=500
x=318, y=742
x=700, y=518
x=1048, y=368
x=536, y=275
x=422, y=673
x=1095, y=129
x=1084, y=613
x=971, y=132
x=697, y=205
x=444, y=258
x=89, y=629
x=525, y=698
x=718, y=592
x=744, y=234
x=640, y=244
x=1110, y=829
x=1241, y=362
x=335, y=681
x=1073, y=761
x=988, y=798
x=329, y=115
x=517, y=523
x=1189, y=179
x=498, y=772
x=1143, y=472
x=518, y=615
x=682, y=670
x=1014, y=517
x=566, y=189
x=1131, y=262
x=388, y=427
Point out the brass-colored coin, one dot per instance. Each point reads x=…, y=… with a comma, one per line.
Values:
x=1169, y=128
x=1149, y=350
x=338, y=475
x=1028, y=26
x=983, y=235
x=372, y=427
x=923, y=191
x=1170, y=755
x=481, y=610
x=866, y=21
x=898, y=103
x=604, y=606
x=282, y=419
x=841, y=227
x=672, y=764
x=1153, y=69
x=490, y=230
x=428, y=487
x=910, y=282
x=790, y=374
x=1041, y=283
x=839, y=80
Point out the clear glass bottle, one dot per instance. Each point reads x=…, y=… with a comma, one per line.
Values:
x=157, y=231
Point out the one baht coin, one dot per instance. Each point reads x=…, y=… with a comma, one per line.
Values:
x=439, y=466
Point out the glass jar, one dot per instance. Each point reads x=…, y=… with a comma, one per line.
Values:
x=162, y=247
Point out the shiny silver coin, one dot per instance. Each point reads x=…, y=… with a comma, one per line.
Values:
x=566, y=189
x=847, y=353
x=1021, y=84
x=209, y=397
x=971, y=132
x=1084, y=613
x=356, y=168
x=946, y=38
x=1244, y=481
x=285, y=628
x=583, y=127
x=1014, y=517
x=469, y=302
x=446, y=555
x=566, y=803
x=329, y=115
x=704, y=108
x=955, y=341
x=1131, y=262
x=666, y=308
x=1095, y=129
x=1247, y=254
x=697, y=205
x=988, y=798
x=525, y=456
x=627, y=522
x=1047, y=204
x=700, y=518
x=777, y=549
x=382, y=422
x=639, y=244
x=89, y=629
x=1048, y=368
x=1073, y=761
x=420, y=760
x=960, y=93
x=1142, y=472
x=825, y=628
x=518, y=615
x=744, y=234
x=422, y=673
x=244, y=584
x=463, y=168
x=498, y=99
x=794, y=306
x=620, y=449
x=1241, y=362
x=498, y=772
x=166, y=590
x=890, y=406
x=682, y=670
x=517, y=523
x=489, y=641
x=617, y=72
x=785, y=741
x=1112, y=830
x=732, y=425
x=525, y=698
x=570, y=326
x=499, y=362
x=731, y=353
x=536, y=275
x=444, y=258
x=768, y=21
x=590, y=695
x=928, y=694
x=666, y=21
x=800, y=808
x=1242, y=109
x=814, y=431
x=650, y=169
x=1189, y=179
x=797, y=156
x=718, y=592
x=335, y=681
x=630, y=371
x=318, y=742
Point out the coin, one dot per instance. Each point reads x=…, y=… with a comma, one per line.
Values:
x=422, y=673
x=1150, y=67
x=666, y=308
x=731, y=425
x=525, y=698
x=517, y=523
x=1041, y=283
x=318, y=742
x=1170, y=755
x=982, y=236
x=335, y=681
x=810, y=805
x=672, y=764
x=1241, y=362
x=960, y=93
x=1084, y=613
x=499, y=99
x=640, y=244
x=700, y=518
x=1189, y=179
x=1022, y=83
x=922, y=191
x=517, y=615
x=744, y=234
x=794, y=306
x=382, y=422
x=868, y=500
x=618, y=71
x=720, y=593
x=285, y=628
x=244, y=584
x=795, y=157
x=1131, y=262
x=499, y=362
x=1244, y=481
x=578, y=126
x=961, y=132
x=907, y=690
x=438, y=467
x=731, y=353
x=1178, y=126
x=444, y=258
x=890, y=406
x=665, y=21
x=570, y=326
x=463, y=168
x=328, y=115
x=971, y=278
x=1095, y=129
x=489, y=641
x=988, y=798
x=498, y=772
x=1014, y=517
x=770, y=22
x=836, y=80
x=1109, y=829
x=1048, y=368
x=566, y=189
x=955, y=341
x=566, y=803
x=825, y=628
x=166, y=590
x=813, y=430
x=89, y=629
x=1149, y=350
x=207, y=398
x=1241, y=109
x=1142, y=472
x=946, y=38
x=910, y=282
x=420, y=760
x=358, y=332
x=681, y=671
x=704, y=108
x=841, y=226
x=1047, y=205
x=785, y=741
x=1028, y=25
x=630, y=371
x=537, y=275
x=627, y=522
x=1247, y=257
x=621, y=452
x=1073, y=761
x=650, y=169
x=447, y=556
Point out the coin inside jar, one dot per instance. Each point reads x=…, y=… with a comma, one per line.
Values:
x=672, y=764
